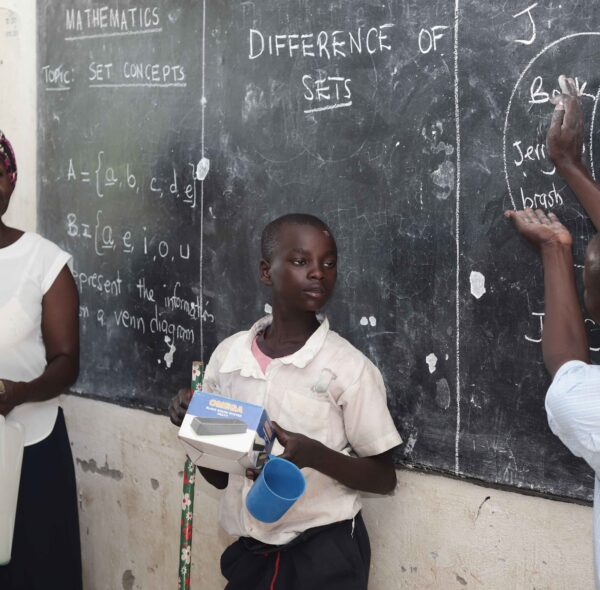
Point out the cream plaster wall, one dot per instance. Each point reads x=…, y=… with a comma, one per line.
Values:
x=435, y=533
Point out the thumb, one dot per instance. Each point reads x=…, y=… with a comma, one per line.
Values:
x=281, y=434
x=558, y=116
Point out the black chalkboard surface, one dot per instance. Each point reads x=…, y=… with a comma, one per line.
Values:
x=170, y=133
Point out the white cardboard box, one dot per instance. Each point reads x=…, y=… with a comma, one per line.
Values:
x=232, y=452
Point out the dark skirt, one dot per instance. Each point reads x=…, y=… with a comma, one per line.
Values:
x=46, y=552
x=331, y=557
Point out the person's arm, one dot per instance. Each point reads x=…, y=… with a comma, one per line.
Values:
x=374, y=474
x=177, y=409
x=565, y=146
x=564, y=337
x=60, y=332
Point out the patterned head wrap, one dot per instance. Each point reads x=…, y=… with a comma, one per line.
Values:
x=7, y=157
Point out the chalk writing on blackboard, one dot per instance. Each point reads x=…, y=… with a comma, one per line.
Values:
x=171, y=133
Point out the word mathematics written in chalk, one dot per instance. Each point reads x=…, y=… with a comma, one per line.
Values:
x=105, y=19
x=322, y=90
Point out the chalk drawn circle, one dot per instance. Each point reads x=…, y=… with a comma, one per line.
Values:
x=514, y=91
x=592, y=134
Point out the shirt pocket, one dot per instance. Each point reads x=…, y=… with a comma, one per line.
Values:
x=303, y=413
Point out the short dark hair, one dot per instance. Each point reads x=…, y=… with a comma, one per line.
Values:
x=270, y=235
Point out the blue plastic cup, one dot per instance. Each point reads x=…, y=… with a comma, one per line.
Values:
x=278, y=486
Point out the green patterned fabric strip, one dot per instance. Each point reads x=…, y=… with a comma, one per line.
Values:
x=187, y=503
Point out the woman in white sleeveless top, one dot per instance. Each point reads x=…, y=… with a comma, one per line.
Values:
x=39, y=359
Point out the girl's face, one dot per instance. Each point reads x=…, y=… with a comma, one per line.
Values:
x=303, y=270
x=6, y=189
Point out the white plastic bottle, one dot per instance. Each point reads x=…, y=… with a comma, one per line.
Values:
x=12, y=437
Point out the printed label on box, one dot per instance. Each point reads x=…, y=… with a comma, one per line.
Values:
x=226, y=434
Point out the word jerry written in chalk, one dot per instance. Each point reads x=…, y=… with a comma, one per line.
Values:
x=322, y=90
x=534, y=158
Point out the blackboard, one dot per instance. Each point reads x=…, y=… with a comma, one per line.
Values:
x=171, y=133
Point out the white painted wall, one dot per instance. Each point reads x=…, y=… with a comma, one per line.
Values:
x=434, y=533
x=18, y=112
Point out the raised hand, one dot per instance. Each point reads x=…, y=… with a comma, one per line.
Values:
x=540, y=229
x=565, y=135
x=178, y=406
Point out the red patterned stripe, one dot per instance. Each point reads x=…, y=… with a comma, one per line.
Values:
x=272, y=586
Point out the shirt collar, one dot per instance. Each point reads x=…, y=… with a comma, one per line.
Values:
x=240, y=357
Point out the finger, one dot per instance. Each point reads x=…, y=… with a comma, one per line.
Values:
x=529, y=216
x=518, y=218
x=185, y=394
x=574, y=89
x=541, y=217
x=174, y=417
x=572, y=103
x=288, y=457
x=251, y=474
x=280, y=434
x=177, y=411
x=567, y=85
x=555, y=98
x=558, y=116
x=556, y=122
x=183, y=398
x=573, y=113
x=279, y=431
x=554, y=219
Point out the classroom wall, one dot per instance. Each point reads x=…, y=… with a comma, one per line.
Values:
x=435, y=532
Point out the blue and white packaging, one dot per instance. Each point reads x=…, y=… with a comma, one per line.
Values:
x=226, y=434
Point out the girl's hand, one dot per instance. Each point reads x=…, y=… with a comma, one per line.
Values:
x=252, y=473
x=540, y=229
x=179, y=405
x=565, y=135
x=299, y=449
x=8, y=396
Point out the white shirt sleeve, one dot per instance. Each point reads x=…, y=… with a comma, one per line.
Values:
x=370, y=429
x=210, y=383
x=52, y=260
x=573, y=408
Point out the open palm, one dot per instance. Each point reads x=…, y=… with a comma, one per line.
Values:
x=540, y=229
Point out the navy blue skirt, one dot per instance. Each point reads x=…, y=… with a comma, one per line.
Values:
x=46, y=552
